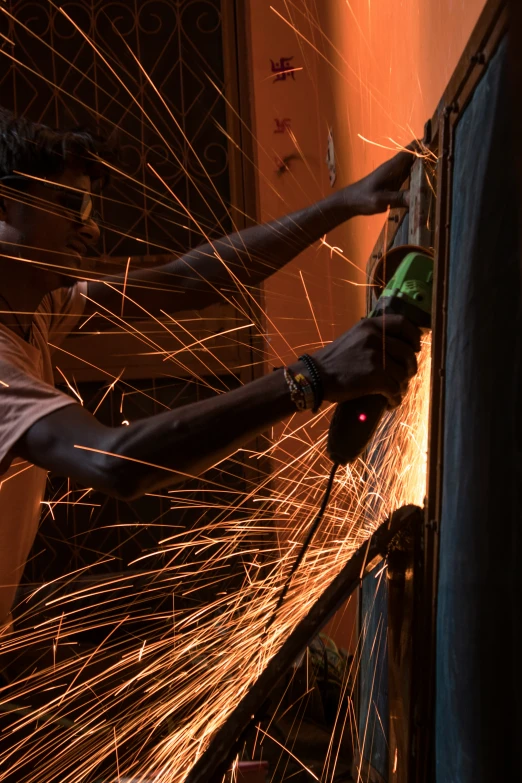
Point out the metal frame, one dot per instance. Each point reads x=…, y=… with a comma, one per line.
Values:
x=482, y=45
x=416, y=720
x=416, y=669
x=238, y=85
x=439, y=137
x=214, y=762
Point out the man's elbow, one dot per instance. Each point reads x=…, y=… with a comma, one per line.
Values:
x=104, y=473
x=121, y=480
x=132, y=455
x=113, y=460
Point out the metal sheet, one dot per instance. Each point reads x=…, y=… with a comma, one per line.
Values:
x=478, y=595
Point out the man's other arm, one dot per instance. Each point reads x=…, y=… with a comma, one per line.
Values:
x=208, y=273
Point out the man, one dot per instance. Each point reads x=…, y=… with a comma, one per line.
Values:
x=46, y=228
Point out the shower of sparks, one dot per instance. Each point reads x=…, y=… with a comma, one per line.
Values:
x=149, y=706
x=196, y=665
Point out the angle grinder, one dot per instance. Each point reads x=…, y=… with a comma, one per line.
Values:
x=409, y=293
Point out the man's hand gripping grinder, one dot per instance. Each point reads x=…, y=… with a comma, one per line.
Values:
x=408, y=293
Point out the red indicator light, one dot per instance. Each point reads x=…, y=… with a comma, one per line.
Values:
x=362, y=417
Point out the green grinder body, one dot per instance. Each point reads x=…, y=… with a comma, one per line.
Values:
x=409, y=293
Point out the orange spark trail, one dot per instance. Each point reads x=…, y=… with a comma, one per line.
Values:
x=185, y=678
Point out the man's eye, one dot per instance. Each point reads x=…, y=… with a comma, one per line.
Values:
x=68, y=203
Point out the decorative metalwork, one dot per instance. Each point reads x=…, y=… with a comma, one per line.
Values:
x=151, y=70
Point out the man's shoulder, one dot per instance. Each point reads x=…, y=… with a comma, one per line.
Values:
x=60, y=310
x=67, y=300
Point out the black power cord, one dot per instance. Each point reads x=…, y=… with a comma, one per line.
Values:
x=306, y=545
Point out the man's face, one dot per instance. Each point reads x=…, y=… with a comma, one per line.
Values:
x=39, y=224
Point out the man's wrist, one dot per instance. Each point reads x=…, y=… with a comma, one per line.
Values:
x=308, y=370
x=344, y=204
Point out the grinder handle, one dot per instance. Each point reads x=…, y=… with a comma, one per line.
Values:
x=353, y=424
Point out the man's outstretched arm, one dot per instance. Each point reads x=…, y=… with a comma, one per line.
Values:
x=161, y=450
x=248, y=257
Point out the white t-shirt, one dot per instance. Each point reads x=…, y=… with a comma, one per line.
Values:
x=27, y=394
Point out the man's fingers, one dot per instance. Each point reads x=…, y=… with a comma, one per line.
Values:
x=393, y=389
x=389, y=388
x=415, y=146
x=404, y=160
x=396, y=371
x=401, y=352
x=399, y=326
x=397, y=199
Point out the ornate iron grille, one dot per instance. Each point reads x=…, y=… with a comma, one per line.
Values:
x=152, y=70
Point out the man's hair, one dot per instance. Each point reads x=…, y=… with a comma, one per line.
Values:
x=32, y=148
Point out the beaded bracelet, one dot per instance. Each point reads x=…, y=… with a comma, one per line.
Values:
x=315, y=379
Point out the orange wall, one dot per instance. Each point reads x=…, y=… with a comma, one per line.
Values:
x=372, y=68
x=375, y=69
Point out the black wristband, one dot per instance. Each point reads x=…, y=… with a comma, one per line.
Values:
x=315, y=380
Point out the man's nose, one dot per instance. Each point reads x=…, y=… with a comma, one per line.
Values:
x=89, y=232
